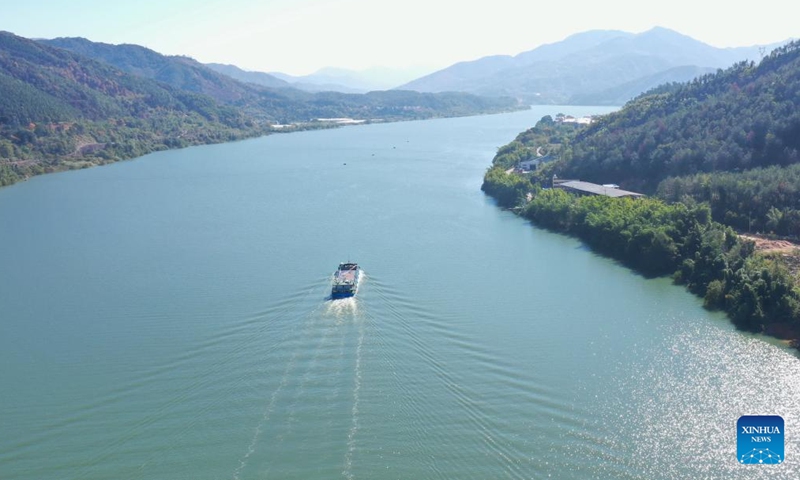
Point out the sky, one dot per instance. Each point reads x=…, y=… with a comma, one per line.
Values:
x=299, y=37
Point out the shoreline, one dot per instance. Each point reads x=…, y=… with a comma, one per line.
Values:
x=70, y=162
x=729, y=290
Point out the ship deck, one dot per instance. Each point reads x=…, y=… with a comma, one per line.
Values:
x=345, y=276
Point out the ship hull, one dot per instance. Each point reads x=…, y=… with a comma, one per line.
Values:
x=340, y=295
x=345, y=281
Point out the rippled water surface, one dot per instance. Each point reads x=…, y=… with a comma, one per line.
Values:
x=168, y=317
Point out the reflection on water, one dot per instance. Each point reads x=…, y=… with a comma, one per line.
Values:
x=171, y=317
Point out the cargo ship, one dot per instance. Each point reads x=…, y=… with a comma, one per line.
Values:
x=345, y=280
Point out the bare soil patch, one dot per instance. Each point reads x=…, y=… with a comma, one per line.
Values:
x=788, y=252
x=769, y=245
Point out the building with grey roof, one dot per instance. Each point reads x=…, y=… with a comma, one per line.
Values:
x=586, y=188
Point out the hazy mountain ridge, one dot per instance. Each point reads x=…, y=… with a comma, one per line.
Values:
x=257, y=78
x=679, y=139
x=275, y=104
x=325, y=80
x=351, y=81
x=60, y=109
x=288, y=81
x=93, y=90
x=183, y=73
x=620, y=94
x=740, y=118
x=591, y=66
x=721, y=152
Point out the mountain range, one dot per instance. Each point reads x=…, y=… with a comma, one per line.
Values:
x=353, y=81
x=721, y=154
x=328, y=79
x=180, y=72
x=264, y=96
x=73, y=103
x=598, y=67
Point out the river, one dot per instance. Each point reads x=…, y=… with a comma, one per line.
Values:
x=166, y=317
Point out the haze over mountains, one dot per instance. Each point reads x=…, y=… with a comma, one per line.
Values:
x=353, y=81
x=267, y=97
x=72, y=103
x=721, y=154
x=328, y=79
x=599, y=67
x=183, y=73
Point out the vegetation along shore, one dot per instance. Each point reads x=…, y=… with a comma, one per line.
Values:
x=719, y=161
x=72, y=103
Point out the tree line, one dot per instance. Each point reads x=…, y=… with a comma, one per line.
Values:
x=737, y=119
x=680, y=239
x=762, y=200
x=63, y=110
x=720, y=152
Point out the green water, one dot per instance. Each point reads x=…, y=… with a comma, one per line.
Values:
x=166, y=318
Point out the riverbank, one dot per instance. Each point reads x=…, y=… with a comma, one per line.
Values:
x=95, y=144
x=147, y=334
x=66, y=146
x=755, y=288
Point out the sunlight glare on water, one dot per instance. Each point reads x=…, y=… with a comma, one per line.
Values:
x=170, y=317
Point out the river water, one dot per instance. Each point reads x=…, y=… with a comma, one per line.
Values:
x=167, y=317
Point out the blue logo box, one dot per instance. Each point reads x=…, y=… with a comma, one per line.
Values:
x=759, y=440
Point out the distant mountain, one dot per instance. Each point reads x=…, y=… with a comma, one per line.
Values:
x=723, y=147
x=595, y=67
x=470, y=75
x=280, y=104
x=308, y=83
x=65, y=86
x=82, y=103
x=352, y=81
x=61, y=110
x=621, y=94
x=258, y=78
x=734, y=120
x=576, y=43
x=180, y=72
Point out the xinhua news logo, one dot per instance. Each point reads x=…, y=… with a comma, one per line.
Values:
x=759, y=440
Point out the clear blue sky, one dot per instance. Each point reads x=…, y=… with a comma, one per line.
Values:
x=301, y=36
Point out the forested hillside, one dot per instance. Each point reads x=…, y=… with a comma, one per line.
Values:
x=731, y=139
x=279, y=103
x=258, y=78
x=720, y=152
x=589, y=68
x=60, y=109
x=183, y=73
x=742, y=118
